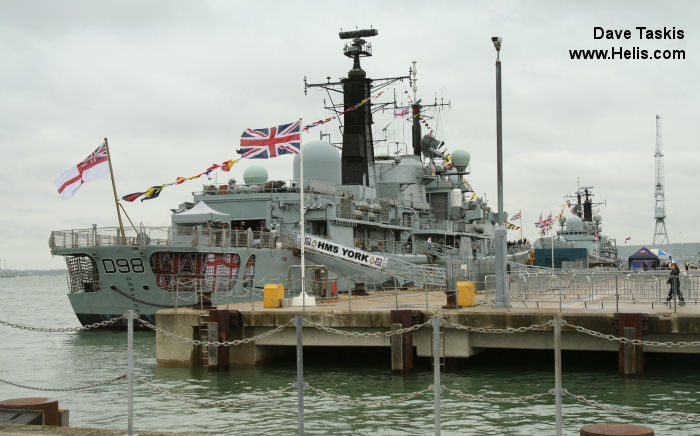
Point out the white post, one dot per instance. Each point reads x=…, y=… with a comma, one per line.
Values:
x=303, y=299
x=436, y=371
x=130, y=368
x=557, y=374
x=299, y=322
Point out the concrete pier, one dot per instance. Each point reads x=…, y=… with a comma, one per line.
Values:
x=373, y=313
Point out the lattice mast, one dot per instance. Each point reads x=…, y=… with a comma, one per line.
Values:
x=660, y=232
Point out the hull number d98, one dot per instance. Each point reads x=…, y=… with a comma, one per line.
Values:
x=122, y=266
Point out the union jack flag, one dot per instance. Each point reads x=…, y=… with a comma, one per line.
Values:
x=270, y=142
x=95, y=158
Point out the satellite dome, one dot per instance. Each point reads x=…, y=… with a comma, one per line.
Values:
x=574, y=224
x=255, y=175
x=596, y=218
x=562, y=220
x=460, y=159
x=321, y=163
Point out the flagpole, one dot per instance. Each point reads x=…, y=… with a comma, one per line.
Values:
x=305, y=300
x=521, y=224
x=114, y=190
x=552, y=236
x=302, y=212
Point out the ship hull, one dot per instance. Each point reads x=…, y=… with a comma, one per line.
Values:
x=100, y=291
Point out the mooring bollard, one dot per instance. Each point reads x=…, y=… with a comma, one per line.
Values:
x=615, y=430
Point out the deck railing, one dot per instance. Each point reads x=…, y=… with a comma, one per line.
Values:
x=168, y=236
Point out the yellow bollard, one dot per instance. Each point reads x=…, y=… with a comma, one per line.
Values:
x=273, y=295
x=466, y=294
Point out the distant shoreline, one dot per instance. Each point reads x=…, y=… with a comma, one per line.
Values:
x=9, y=273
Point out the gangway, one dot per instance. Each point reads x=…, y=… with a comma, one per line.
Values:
x=388, y=264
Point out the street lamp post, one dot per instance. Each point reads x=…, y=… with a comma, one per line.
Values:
x=500, y=232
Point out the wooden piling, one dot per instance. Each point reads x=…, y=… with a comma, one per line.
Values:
x=244, y=354
x=630, y=357
x=222, y=319
x=405, y=319
x=396, y=350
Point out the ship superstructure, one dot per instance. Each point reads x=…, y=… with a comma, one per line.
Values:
x=583, y=228
x=370, y=221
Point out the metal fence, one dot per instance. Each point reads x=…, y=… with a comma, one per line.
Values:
x=594, y=288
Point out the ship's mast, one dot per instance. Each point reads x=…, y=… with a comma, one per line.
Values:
x=415, y=111
x=660, y=232
x=358, y=150
x=358, y=146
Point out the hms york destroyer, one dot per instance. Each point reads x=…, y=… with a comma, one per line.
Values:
x=370, y=221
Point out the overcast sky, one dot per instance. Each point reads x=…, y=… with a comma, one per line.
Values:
x=172, y=84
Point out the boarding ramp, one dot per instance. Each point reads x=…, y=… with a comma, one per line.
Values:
x=365, y=261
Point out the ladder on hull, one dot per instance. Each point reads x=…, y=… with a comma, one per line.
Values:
x=204, y=336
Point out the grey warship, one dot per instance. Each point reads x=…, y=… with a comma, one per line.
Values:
x=371, y=220
x=583, y=228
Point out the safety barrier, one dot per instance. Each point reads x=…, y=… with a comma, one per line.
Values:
x=437, y=323
x=593, y=288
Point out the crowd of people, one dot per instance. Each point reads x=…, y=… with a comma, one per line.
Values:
x=520, y=243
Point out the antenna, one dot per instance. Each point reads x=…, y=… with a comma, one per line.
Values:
x=359, y=47
x=660, y=232
x=414, y=80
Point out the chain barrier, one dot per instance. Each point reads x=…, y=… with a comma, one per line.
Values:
x=66, y=389
x=63, y=329
x=672, y=417
x=366, y=334
x=522, y=399
x=214, y=343
x=366, y=403
x=543, y=326
x=630, y=341
x=223, y=403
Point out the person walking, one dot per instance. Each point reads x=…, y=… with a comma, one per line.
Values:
x=675, y=289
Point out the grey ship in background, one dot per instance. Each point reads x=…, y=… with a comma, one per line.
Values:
x=371, y=221
x=583, y=229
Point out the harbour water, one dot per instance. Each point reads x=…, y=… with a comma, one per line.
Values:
x=671, y=384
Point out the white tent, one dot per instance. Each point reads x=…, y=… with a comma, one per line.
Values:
x=200, y=213
x=664, y=258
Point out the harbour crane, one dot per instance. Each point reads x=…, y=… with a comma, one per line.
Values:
x=660, y=232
